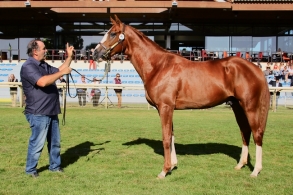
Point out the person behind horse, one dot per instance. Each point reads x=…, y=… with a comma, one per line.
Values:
x=92, y=62
x=275, y=83
x=81, y=93
x=267, y=71
x=118, y=92
x=289, y=73
x=283, y=72
x=276, y=70
x=42, y=105
x=291, y=85
x=96, y=93
x=13, y=90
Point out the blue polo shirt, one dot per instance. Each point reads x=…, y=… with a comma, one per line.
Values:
x=39, y=100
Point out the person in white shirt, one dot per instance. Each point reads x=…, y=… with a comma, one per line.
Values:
x=289, y=74
x=275, y=83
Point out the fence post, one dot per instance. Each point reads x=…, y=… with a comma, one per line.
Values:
x=106, y=98
x=274, y=101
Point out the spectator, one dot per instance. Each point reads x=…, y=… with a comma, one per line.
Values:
x=283, y=72
x=96, y=93
x=92, y=62
x=275, y=83
x=276, y=66
x=282, y=65
x=118, y=92
x=291, y=85
x=42, y=105
x=248, y=56
x=267, y=71
x=289, y=72
x=259, y=65
x=276, y=70
x=81, y=93
x=13, y=90
x=60, y=90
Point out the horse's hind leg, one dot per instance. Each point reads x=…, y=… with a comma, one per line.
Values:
x=253, y=121
x=245, y=133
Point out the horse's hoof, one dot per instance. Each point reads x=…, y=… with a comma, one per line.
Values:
x=255, y=173
x=162, y=175
x=237, y=168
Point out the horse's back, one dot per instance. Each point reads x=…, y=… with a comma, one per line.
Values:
x=228, y=70
x=209, y=83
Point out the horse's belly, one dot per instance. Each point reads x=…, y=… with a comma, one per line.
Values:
x=201, y=100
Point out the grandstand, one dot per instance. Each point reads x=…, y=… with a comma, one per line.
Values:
x=217, y=27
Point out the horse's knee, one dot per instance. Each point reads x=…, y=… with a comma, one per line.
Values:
x=258, y=137
x=167, y=143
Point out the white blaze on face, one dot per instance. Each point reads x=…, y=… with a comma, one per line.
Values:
x=103, y=39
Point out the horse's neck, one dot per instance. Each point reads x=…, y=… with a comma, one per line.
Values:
x=144, y=62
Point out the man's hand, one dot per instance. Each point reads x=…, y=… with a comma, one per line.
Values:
x=66, y=70
x=69, y=50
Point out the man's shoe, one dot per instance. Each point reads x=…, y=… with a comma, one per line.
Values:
x=34, y=174
x=58, y=170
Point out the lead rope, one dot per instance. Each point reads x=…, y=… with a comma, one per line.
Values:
x=64, y=103
x=107, y=67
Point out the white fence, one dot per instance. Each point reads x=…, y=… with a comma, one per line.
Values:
x=284, y=99
x=106, y=88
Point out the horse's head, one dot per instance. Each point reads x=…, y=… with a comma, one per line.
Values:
x=112, y=41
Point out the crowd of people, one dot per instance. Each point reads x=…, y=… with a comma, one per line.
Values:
x=281, y=71
x=94, y=94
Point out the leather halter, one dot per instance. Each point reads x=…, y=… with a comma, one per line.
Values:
x=120, y=40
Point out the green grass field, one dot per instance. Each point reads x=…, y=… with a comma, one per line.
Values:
x=119, y=151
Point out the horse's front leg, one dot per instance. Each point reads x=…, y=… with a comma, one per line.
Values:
x=166, y=116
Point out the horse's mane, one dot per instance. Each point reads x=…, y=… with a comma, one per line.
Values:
x=143, y=36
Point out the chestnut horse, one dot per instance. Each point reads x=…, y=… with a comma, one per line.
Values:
x=173, y=82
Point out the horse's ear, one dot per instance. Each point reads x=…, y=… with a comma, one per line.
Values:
x=112, y=21
x=117, y=19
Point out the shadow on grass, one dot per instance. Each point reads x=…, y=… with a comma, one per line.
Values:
x=194, y=149
x=71, y=155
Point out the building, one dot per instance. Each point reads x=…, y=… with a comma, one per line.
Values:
x=236, y=25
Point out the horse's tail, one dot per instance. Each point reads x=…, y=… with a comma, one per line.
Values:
x=264, y=106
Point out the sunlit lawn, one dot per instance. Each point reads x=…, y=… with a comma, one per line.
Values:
x=119, y=151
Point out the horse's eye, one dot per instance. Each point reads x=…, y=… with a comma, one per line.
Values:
x=112, y=34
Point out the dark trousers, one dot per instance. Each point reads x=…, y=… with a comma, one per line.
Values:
x=96, y=99
x=81, y=98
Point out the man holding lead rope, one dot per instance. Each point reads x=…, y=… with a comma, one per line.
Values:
x=42, y=104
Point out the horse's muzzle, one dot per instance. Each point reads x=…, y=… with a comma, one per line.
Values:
x=97, y=55
x=103, y=54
